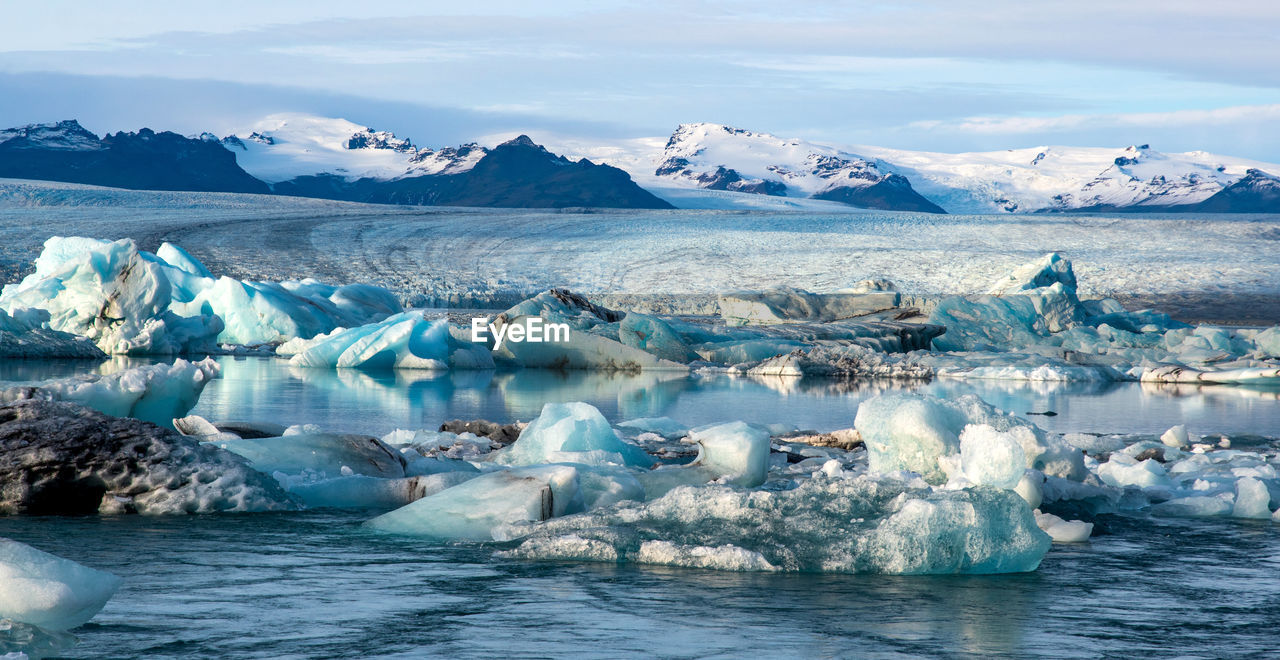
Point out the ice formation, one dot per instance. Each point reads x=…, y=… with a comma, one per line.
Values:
x=62, y=458
x=325, y=454
x=478, y=509
x=571, y=432
x=48, y=591
x=132, y=302
x=23, y=335
x=854, y=525
x=370, y=492
x=403, y=341
x=156, y=393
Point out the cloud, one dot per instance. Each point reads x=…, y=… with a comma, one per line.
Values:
x=1067, y=123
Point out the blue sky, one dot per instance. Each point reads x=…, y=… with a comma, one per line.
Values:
x=944, y=76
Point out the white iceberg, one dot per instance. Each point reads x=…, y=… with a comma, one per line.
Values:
x=48, y=591
x=325, y=454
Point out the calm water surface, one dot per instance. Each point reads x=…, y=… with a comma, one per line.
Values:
x=315, y=585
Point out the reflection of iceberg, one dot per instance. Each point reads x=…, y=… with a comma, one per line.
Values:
x=644, y=394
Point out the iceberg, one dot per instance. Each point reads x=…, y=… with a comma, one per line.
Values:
x=360, y=491
x=137, y=303
x=653, y=335
x=23, y=335
x=47, y=591
x=481, y=508
x=991, y=458
x=735, y=453
x=326, y=454
x=402, y=341
x=573, y=433
x=582, y=351
x=64, y=459
x=845, y=525
x=913, y=432
x=155, y=393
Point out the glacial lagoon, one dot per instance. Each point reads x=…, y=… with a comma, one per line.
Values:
x=316, y=583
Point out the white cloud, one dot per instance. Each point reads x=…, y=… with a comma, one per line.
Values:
x=1074, y=122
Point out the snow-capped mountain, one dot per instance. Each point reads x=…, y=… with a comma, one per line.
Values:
x=717, y=157
x=713, y=157
x=1048, y=178
x=286, y=146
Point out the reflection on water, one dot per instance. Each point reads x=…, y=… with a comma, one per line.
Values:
x=270, y=390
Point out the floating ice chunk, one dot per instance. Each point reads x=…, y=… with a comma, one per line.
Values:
x=571, y=432
x=562, y=306
x=1123, y=470
x=1001, y=323
x=323, y=453
x=1093, y=443
x=1183, y=374
x=48, y=591
x=602, y=486
x=1045, y=271
x=857, y=525
x=790, y=305
x=1197, y=506
x=403, y=341
x=23, y=335
x=843, y=361
x=751, y=350
x=1064, y=531
x=1267, y=342
x=737, y=452
x=653, y=335
x=478, y=509
x=912, y=431
x=990, y=457
x=155, y=393
x=116, y=296
x=371, y=492
x=1176, y=437
x=663, y=426
x=1253, y=500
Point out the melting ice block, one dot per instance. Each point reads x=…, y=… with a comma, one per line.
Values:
x=571, y=432
x=372, y=492
x=155, y=393
x=48, y=591
x=860, y=525
x=653, y=335
x=1064, y=531
x=479, y=509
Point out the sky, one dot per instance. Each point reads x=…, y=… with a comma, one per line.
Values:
x=940, y=75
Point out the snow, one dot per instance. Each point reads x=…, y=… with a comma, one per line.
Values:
x=285, y=146
x=43, y=590
x=571, y=432
x=155, y=393
x=479, y=509
x=1064, y=531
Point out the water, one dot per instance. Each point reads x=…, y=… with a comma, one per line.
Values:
x=315, y=584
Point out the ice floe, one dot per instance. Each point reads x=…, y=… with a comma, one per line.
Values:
x=47, y=591
x=155, y=393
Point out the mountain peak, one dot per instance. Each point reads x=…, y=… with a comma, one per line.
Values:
x=65, y=135
x=522, y=141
